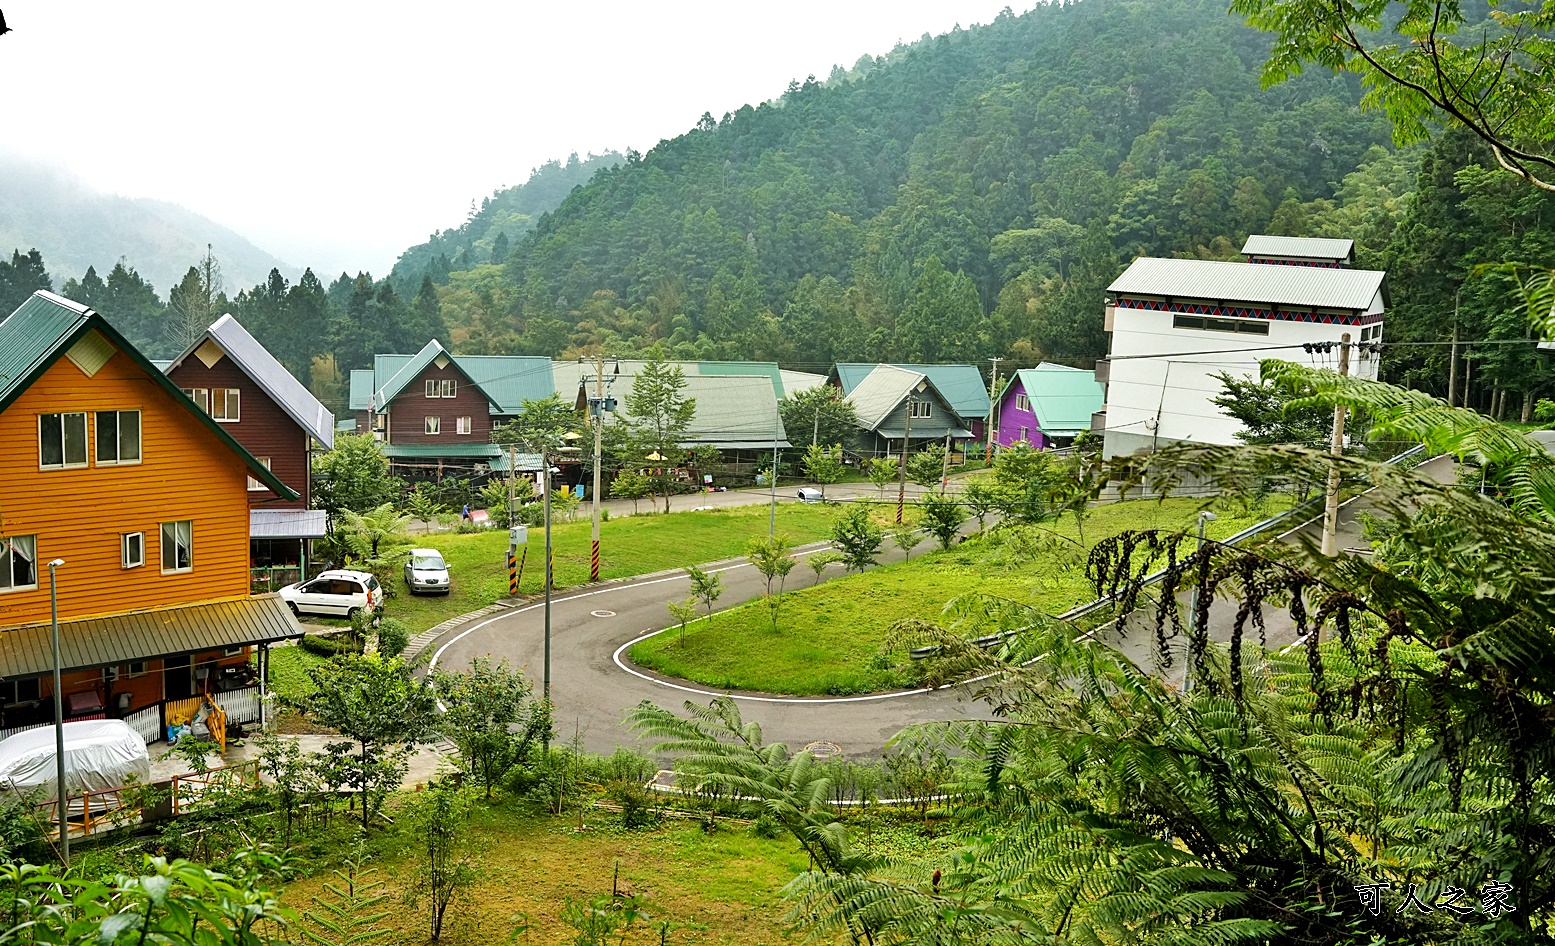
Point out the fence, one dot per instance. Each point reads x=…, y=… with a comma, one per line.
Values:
x=267, y=578
x=8, y=733
x=241, y=706
x=147, y=723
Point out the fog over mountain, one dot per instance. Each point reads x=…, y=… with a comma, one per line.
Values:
x=75, y=227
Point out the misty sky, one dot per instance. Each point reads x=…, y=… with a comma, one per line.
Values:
x=335, y=133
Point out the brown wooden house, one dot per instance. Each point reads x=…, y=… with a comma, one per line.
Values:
x=228, y=373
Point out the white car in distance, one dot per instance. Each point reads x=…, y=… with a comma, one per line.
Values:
x=335, y=593
x=426, y=572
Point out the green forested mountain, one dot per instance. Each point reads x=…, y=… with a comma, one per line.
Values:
x=968, y=195
x=501, y=218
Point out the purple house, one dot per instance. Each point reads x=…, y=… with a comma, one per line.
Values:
x=1048, y=406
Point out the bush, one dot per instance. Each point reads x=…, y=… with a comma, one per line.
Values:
x=639, y=809
x=1544, y=411
x=393, y=637
x=332, y=645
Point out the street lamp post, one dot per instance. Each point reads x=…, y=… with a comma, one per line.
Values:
x=1193, y=610
x=569, y=437
x=61, y=794
x=772, y=508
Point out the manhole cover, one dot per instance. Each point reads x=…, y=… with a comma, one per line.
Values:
x=603, y=614
x=824, y=750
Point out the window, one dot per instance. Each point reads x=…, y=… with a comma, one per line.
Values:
x=132, y=550
x=177, y=546
x=254, y=484
x=431, y=388
x=1025, y=434
x=1022, y=403
x=432, y=425
x=18, y=562
x=13, y=692
x=464, y=425
x=442, y=388
x=224, y=404
x=200, y=396
x=1241, y=326
x=232, y=652
x=61, y=440
x=118, y=437
x=920, y=409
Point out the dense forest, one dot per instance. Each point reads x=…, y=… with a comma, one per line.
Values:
x=967, y=195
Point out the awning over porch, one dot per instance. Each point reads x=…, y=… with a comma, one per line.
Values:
x=287, y=523
x=142, y=635
x=958, y=433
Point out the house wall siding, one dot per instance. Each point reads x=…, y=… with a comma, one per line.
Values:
x=1012, y=419
x=407, y=412
x=262, y=427
x=78, y=514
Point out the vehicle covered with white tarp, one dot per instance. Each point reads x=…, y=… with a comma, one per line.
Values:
x=99, y=754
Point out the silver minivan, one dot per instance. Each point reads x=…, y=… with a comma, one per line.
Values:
x=426, y=572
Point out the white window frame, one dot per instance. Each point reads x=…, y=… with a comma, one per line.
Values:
x=918, y=410
x=1025, y=434
x=432, y=387
x=254, y=485
x=231, y=405
x=432, y=426
x=448, y=387
x=1022, y=403
x=233, y=652
x=200, y=396
x=162, y=546
x=125, y=561
x=7, y=573
x=86, y=442
x=463, y=425
x=140, y=438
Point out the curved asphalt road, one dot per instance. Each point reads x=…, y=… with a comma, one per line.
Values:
x=593, y=693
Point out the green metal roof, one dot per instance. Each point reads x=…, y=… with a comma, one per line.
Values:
x=961, y=386
x=1063, y=398
x=464, y=451
x=141, y=635
x=45, y=326
x=361, y=389
x=390, y=386
x=766, y=369
x=506, y=380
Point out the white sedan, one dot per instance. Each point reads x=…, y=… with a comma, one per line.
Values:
x=339, y=593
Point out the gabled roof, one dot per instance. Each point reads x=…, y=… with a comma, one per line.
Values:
x=272, y=377
x=44, y=327
x=1255, y=283
x=882, y=391
x=960, y=386
x=1299, y=247
x=390, y=386
x=361, y=389
x=1063, y=398
x=506, y=380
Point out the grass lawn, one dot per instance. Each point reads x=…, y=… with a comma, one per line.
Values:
x=719, y=888
x=630, y=545
x=829, y=637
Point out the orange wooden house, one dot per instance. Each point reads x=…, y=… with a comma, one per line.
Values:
x=106, y=466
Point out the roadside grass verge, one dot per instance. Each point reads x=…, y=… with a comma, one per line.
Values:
x=828, y=639
x=629, y=545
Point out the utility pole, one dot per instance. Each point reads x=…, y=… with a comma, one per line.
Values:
x=62, y=793
x=944, y=469
x=1452, y=371
x=777, y=421
x=815, y=429
x=599, y=432
x=1336, y=449
x=993, y=407
x=512, y=485
x=901, y=475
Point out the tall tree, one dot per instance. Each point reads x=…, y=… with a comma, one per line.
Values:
x=196, y=301
x=20, y=278
x=658, y=413
x=818, y=415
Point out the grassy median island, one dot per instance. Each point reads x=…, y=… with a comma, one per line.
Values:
x=829, y=637
x=630, y=545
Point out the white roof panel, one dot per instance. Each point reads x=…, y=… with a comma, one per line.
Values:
x=1255, y=283
x=1298, y=247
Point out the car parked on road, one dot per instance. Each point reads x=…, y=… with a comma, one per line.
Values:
x=335, y=593
x=426, y=572
x=809, y=494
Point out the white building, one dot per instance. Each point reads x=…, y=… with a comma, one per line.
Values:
x=1176, y=323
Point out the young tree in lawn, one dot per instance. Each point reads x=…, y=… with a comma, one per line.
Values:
x=378, y=704
x=942, y=516
x=444, y=868
x=926, y=466
x=770, y=556
x=705, y=587
x=823, y=465
x=981, y=498
x=906, y=538
x=881, y=472
x=629, y=484
x=423, y=505
x=684, y=612
x=819, y=562
x=350, y=914
x=490, y=717
x=658, y=414
x=857, y=537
